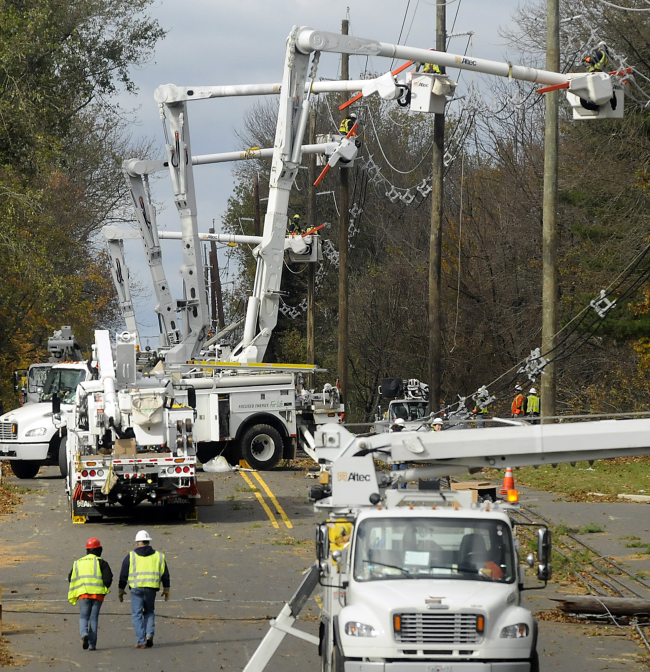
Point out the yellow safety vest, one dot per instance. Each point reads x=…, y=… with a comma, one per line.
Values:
x=86, y=578
x=432, y=68
x=145, y=571
x=532, y=403
x=346, y=126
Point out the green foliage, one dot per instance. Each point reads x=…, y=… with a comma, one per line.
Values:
x=61, y=147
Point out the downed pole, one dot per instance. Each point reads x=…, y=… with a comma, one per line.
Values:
x=590, y=604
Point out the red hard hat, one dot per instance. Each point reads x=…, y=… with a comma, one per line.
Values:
x=93, y=542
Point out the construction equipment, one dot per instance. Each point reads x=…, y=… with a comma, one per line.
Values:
x=28, y=383
x=409, y=401
x=128, y=438
x=430, y=579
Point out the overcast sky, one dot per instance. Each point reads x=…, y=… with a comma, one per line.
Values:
x=216, y=42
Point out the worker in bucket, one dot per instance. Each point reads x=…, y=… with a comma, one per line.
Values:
x=518, y=407
x=598, y=59
x=144, y=570
x=432, y=69
x=348, y=123
x=295, y=226
x=90, y=579
x=436, y=425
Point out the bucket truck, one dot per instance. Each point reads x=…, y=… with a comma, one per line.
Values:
x=409, y=401
x=28, y=437
x=430, y=580
x=128, y=438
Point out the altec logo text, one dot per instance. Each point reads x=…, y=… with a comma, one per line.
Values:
x=344, y=476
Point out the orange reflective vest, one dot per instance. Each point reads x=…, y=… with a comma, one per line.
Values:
x=518, y=405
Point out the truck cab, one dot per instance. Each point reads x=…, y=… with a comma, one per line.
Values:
x=416, y=587
x=28, y=384
x=28, y=437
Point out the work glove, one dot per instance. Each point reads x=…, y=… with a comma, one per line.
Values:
x=120, y=595
x=166, y=594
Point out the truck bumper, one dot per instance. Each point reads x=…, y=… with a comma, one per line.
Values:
x=442, y=666
x=24, y=451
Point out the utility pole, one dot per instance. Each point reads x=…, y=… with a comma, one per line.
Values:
x=549, y=229
x=344, y=217
x=435, y=239
x=311, y=268
x=216, y=300
x=256, y=201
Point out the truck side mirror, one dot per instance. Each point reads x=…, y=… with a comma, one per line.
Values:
x=543, y=554
x=16, y=382
x=322, y=543
x=56, y=404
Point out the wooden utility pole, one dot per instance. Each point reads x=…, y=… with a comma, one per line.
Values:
x=549, y=230
x=216, y=300
x=311, y=268
x=256, y=200
x=435, y=239
x=344, y=217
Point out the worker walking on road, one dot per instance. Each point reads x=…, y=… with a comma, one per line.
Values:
x=518, y=403
x=144, y=570
x=90, y=579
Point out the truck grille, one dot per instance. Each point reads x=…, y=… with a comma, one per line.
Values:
x=438, y=629
x=5, y=432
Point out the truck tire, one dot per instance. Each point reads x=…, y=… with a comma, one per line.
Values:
x=534, y=662
x=63, y=457
x=25, y=468
x=261, y=447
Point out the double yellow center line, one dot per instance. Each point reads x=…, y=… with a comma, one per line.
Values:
x=262, y=501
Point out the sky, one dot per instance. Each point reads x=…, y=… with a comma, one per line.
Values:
x=213, y=42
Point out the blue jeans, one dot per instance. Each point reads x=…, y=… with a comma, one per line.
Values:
x=142, y=613
x=89, y=620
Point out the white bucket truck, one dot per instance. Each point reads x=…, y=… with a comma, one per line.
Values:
x=430, y=581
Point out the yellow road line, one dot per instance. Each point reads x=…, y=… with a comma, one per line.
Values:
x=278, y=508
x=258, y=494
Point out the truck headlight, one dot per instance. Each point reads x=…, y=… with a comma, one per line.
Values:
x=515, y=631
x=355, y=629
x=39, y=431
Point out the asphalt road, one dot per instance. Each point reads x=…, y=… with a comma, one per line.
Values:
x=230, y=572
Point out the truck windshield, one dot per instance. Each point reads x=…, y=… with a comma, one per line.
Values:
x=433, y=548
x=408, y=410
x=64, y=383
x=36, y=378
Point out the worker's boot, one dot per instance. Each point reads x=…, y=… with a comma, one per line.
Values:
x=84, y=642
x=149, y=642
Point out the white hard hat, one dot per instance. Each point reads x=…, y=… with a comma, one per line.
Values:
x=353, y=115
x=533, y=390
x=399, y=421
x=518, y=388
x=438, y=421
x=143, y=535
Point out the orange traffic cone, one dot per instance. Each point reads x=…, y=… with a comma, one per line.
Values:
x=508, y=482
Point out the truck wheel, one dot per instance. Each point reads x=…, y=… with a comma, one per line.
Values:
x=63, y=457
x=534, y=662
x=25, y=468
x=261, y=447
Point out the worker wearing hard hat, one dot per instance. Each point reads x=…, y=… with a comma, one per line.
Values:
x=518, y=408
x=532, y=403
x=436, y=425
x=90, y=578
x=398, y=425
x=144, y=570
x=295, y=225
x=348, y=123
x=598, y=59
